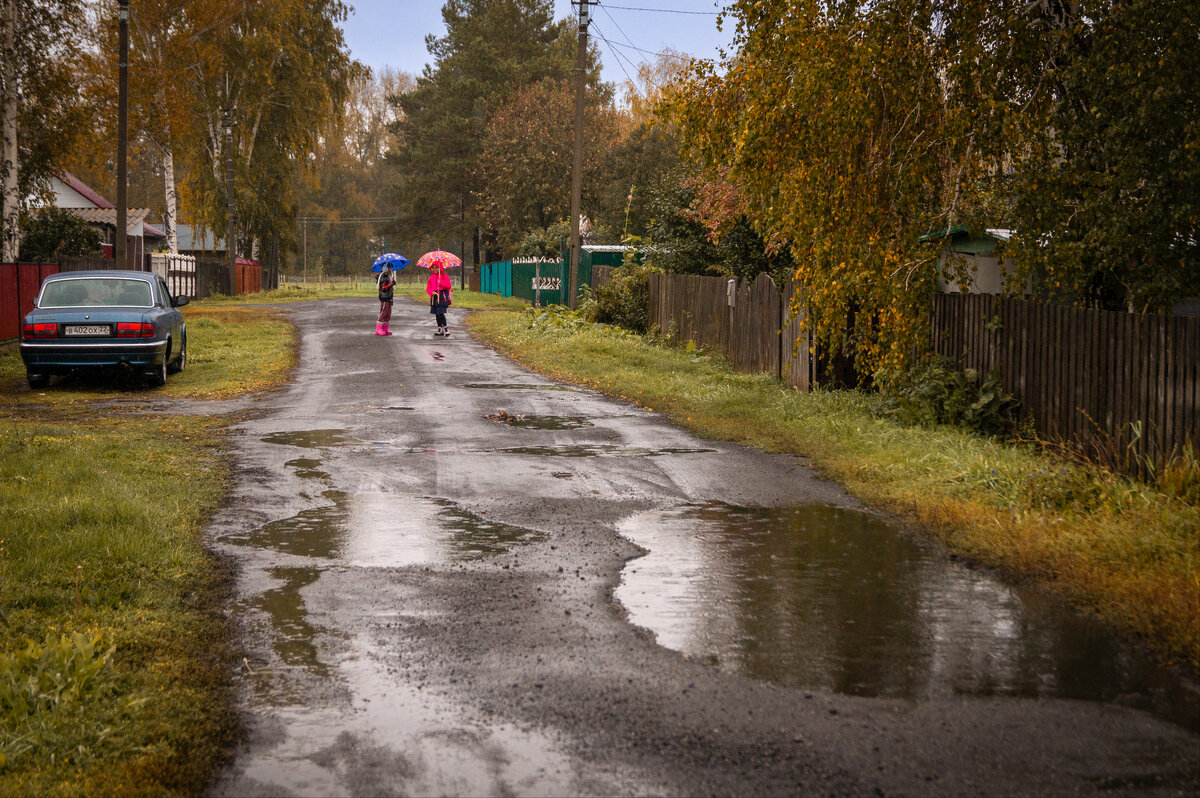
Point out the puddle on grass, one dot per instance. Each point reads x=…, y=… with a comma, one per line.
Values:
x=596, y=450
x=387, y=530
x=829, y=598
x=310, y=438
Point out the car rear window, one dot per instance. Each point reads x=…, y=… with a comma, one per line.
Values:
x=96, y=291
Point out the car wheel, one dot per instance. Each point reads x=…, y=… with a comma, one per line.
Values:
x=37, y=380
x=157, y=376
x=180, y=362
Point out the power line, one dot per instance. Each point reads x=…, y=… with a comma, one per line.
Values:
x=639, y=49
x=618, y=55
x=661, y=10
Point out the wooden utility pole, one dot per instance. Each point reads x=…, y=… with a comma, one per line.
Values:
x=119, y=250
x=230, y=200
x=577, y=160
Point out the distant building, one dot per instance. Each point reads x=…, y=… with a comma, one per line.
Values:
x=199, y=241
x=72, y=194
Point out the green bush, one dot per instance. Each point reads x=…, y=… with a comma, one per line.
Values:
x=51, y=233
x=938, y=393
x=623, y=301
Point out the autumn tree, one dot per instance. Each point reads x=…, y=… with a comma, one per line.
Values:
x=492, y=49
x=41, y=111
x=846, y=129
x=1104, y=190
x=525, y=166
x=347, y=191
x=856, y=129
x=172, y=43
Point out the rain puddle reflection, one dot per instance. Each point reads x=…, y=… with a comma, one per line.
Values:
x=518, y=386
x=387, y=530
x=294, y=635
x=831, y=598
x=597, y=450
x=550, y=422
x=310, y=438
x=308, y=468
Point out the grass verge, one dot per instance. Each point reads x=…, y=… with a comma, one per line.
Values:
x=112, y=666
x=232, y=350
x=113, y=661
x=1104, y=543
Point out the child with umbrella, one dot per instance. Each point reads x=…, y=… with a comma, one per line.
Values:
x=386, y=282
x=439, y=287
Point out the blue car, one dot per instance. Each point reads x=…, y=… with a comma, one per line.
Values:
x=104, y=320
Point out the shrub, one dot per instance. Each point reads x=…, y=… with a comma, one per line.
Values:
x=938, y=393
x=624, y=300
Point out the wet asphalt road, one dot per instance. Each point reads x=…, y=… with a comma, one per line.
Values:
x=424, y=600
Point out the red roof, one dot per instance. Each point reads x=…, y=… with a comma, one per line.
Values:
x=88, y=193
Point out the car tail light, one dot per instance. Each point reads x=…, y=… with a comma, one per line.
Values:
x=135, y=329
x=42, y=329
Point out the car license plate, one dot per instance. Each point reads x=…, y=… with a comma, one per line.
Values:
x=86, y=329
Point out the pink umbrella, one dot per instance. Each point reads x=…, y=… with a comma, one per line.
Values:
x=439, y=259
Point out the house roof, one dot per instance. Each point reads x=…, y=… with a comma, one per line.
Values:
x=198, y=239
x=86, y=191
x=108, y=216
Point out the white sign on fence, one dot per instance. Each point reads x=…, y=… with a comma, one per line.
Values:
x=547, y=284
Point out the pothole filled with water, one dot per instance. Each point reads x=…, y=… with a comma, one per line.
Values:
x=518, y=386
x=310, y=438
x=598, y=450
x=837, y=599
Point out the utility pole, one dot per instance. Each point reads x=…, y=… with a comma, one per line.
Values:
x=230, y=202
x=120, y=255
x=577, y=160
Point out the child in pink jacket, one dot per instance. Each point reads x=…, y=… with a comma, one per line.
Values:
x=441, y=296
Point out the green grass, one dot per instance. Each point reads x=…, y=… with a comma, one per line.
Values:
x=113, y=660
x=1107, y=544
x=112, y=666
x=232, y=350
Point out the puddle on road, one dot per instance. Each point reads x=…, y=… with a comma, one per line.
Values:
x=518, y=386
x=829, y=598
x=294, y=635
x=596, y=450
x=550, y=422
x=318, y=532
x=308, y=468
x=310, y=438
x=387, y=530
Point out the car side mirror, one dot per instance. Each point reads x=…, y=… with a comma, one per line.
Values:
x=180, y=301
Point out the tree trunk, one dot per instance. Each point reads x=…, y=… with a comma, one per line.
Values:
x=9, y=165
x=170, y=210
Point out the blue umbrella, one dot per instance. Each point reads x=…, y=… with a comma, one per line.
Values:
x=397, y=262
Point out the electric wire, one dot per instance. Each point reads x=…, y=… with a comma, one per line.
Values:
x=661, y=10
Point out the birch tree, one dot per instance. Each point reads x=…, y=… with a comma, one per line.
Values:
x=41, y=113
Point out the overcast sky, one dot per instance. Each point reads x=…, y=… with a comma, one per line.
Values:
x=392, y=32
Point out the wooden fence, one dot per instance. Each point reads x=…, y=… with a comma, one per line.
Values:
x=1083, y=375
x=1093, y=377
x=745, y=322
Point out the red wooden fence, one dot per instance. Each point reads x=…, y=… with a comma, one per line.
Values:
x=19, y=286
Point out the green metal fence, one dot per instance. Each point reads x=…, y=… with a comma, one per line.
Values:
x=523, y=278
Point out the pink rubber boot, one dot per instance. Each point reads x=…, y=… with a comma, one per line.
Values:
x=379, y=328
x=386, y=331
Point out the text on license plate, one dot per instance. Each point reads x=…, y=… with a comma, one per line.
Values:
x=86, y=329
